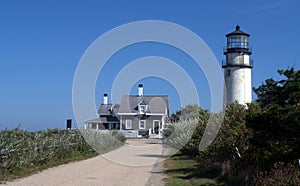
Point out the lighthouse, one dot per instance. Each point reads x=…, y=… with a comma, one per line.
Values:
x=237, y=68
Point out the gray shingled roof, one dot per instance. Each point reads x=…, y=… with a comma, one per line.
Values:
x=103, y=119
x=156, y=104
x=107, y=109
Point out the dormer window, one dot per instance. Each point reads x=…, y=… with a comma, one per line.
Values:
x=143, y=109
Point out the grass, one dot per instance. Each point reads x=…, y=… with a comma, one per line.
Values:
x=24, y=153
x=182, y=170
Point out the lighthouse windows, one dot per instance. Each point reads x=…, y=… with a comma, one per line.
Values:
x=237, y=42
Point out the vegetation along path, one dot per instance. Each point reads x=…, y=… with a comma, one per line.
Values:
x=131, y=164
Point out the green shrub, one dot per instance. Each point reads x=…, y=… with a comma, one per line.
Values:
x=22, y=151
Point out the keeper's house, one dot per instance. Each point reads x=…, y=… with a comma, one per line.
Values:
x=136, y=115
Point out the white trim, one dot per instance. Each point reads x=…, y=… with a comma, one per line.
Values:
x=127, y=120
x=163, y=122
x=93, y=122
x=155, y=114
x=121, y=122
x=149, y=114
x=144, y=124
x=90, y=122
x=127, y=113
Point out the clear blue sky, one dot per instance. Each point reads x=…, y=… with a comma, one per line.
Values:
x=41, y=43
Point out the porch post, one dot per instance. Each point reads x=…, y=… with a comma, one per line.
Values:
x=163, y=123
x=120, y=122
x=159, y=126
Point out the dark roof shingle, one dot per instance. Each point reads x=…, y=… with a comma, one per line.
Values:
x=156, y=104
x=104, y=119
x=108, y=109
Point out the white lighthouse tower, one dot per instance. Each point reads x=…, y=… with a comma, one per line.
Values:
x=237, y=68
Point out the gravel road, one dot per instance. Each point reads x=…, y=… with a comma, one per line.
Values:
x=137, y=163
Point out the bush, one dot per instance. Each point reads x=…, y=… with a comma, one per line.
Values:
x=118, y=135
x=281, y=174
x=177, y=135
x=22, y=151
x=257, y=142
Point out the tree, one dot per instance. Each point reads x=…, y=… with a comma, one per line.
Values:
x=231, y=141
x=188, y=112
x=257, y=144
x=283, y=92
x=276, y=124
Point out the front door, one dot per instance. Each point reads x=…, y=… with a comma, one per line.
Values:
x=156, y=126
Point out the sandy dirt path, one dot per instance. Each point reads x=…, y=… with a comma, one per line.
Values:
x=130, y=165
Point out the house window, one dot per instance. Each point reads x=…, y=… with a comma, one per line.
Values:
x=142, y=124
x=128, y=124
x=143, y=109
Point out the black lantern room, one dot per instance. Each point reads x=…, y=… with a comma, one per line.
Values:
x=237, y=50
x=237, y=41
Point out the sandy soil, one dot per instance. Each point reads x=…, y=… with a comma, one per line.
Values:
x=137, y=163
